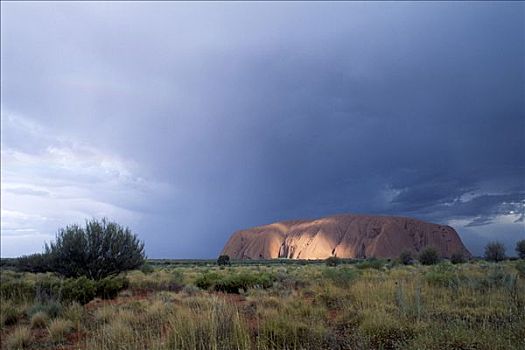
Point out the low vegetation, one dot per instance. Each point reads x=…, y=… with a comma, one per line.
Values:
x=368, y=304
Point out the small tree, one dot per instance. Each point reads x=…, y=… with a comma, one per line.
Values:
x=406, y=258
x=223, y=260
x=457, y=258
x=332, y=261
x=495, y=251
x=429, y=256
x=98, y=250
x=520, y=248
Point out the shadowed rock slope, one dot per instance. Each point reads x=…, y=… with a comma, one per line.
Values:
x=344, y=236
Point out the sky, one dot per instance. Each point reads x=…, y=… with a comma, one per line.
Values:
x=189, y=121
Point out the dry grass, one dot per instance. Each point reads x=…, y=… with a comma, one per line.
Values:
x=58, y=330
x=19, y=338
x=468, y=306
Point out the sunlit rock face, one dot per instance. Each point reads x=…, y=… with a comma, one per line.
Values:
x=344, y=236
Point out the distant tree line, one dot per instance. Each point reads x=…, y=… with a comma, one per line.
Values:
x=494, y=252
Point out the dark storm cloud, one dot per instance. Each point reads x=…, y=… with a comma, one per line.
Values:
x=240, y=114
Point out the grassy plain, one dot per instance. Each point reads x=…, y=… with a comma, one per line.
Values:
x=278, y=305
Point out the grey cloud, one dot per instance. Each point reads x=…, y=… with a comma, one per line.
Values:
x=27, y=191
x=256, y=112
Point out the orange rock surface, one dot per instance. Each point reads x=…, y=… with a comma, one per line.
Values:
x=344, y=236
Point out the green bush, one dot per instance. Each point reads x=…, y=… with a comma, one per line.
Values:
x=244, y=281
x=429, y=256
x=458, y=258
x=207, y=280
x=233, y=283
x=371, y=263
x=81, y=290
x=332, y=261
x=147, y=268
x=109, y=287
x=98, y=250
x=406, y=258
x=223, y=260
x=495, y=251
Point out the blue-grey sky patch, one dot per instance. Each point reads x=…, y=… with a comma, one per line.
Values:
x=187, y=121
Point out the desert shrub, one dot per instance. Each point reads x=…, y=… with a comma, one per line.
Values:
x=51, y=308
x=520, y=266
x=58, y=329
x=341, y=277
x=458, y=258
x=223, y=260
x=442, y=275
x=109, y=287
x=147, y=268
x=39, y=320
x=49, y=289
x=497, y=277
x=157, y=280
x=81, y=290
x=34, y=263
x=16, y=289
x=332, y=261
x=98, y=250
x=233, y=283
x=20, y=338
x=495, y=252
x=520, y=249
x=371, y=263
x=406, y=258
x=10, y=313
x=429, y=256
x=207, y=280
x=287, y=281
x=190, y=290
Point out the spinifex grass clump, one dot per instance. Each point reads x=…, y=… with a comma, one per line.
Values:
x=19, y=338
